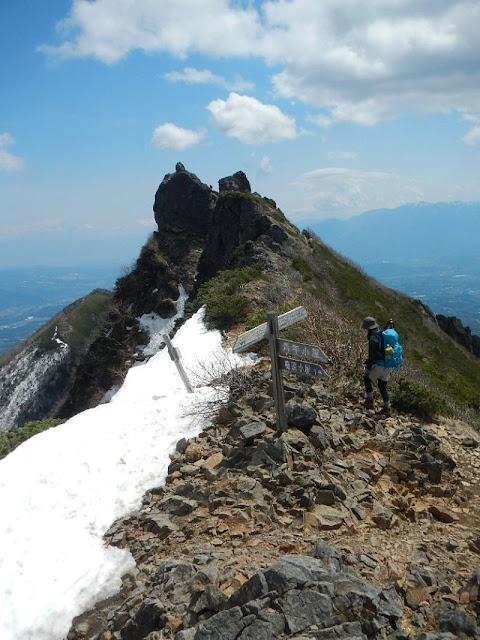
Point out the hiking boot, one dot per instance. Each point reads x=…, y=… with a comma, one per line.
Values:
x=369, y=404
x=387, y=412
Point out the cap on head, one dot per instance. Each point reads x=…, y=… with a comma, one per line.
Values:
x=369, y=323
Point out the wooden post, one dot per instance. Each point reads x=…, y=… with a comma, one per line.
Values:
x=278, y=394
x=174, y=355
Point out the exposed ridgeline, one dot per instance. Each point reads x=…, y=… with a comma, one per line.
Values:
x=37, y=376
x=463, y=335
x=234, y=250
x=199, y=232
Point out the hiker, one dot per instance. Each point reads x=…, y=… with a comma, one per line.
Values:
x=374, y=371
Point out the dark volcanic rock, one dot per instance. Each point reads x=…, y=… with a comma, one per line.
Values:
x=238, y=218
x=183, y=203
x=237, y=182
x=463, y=335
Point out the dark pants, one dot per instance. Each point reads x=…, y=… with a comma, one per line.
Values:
x=382, y=385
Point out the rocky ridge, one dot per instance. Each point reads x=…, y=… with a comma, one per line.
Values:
x=463, y=335
x=348, y=525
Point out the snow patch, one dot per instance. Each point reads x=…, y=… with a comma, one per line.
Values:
x=61, y=490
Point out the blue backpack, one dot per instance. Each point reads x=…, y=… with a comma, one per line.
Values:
x=391, y=350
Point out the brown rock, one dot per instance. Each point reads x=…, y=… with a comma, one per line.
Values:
x=416, y=596
x=442, y=514
x=324, y=517
x=194, y=452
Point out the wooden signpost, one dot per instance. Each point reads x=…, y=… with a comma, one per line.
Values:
x=306, y=360
x=174, y=354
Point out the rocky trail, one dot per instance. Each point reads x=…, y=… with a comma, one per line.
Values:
x=348, y=525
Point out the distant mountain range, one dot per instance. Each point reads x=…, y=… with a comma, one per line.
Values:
x=427, y=250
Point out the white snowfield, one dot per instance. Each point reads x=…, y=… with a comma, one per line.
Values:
x=62, y=489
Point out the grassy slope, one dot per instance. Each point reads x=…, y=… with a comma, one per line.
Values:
x=337, y=295
x=77, y=323
x=430, y=355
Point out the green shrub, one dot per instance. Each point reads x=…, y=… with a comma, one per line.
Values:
x=424, y=403
x=224, y=303
x=255, y=319
x=10, y=440
x=301, y=265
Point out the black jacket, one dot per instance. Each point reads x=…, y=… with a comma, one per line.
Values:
x=374, y=347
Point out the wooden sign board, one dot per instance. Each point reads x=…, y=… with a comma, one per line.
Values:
x=259, y=333
x=302, y=368
x=301, y=350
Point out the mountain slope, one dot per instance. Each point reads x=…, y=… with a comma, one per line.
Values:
x=384, y=491
x=36, y=376
x=203, y=233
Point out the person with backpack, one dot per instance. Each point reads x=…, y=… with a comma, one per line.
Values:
x=384, y=355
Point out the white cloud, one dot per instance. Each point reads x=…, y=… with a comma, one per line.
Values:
x=110, y=29
x=355, y=61
x=250, y=121
x=8, y=161
x=195, y=76
x=39, y=226
x=473, y=136
x=266, y=165
x=339, y=191
x=169, y=136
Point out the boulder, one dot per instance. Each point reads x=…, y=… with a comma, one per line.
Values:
x=237, y=182
x=183, y=203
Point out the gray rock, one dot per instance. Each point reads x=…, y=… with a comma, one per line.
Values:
x=277, y=233
x=252, y=430
x=347, y=631
x=302, y=608
x=268, y=626
x=226, y=625
x=457, y=621
x=212, y=599
x=328, y=555
x=300, y=416
x=383, y=519
x=237, y=182
x=184, y=203
x=160, y=524
x=324, y=496
x=255, y=588
x=186, y=634
x=318, y=437
x=178, y=505
x=291, y=572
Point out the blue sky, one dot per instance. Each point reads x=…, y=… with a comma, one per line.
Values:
x=331, y=108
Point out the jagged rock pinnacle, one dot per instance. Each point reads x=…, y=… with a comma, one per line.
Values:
x=183, y=203
x=237, y=182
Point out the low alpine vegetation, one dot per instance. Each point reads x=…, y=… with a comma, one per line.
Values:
x=10, y=440
x=225, y=304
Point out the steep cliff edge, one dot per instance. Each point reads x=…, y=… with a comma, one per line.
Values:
x=37, y=376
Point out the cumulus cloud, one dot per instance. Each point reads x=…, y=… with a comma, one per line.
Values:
x=169, y=136
x=194, y=76
x=358, y=62
x=110, y=29
x=266, y=165
x=473, y=136
x=333, y=191
x=8, y=161
x=251, y=121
